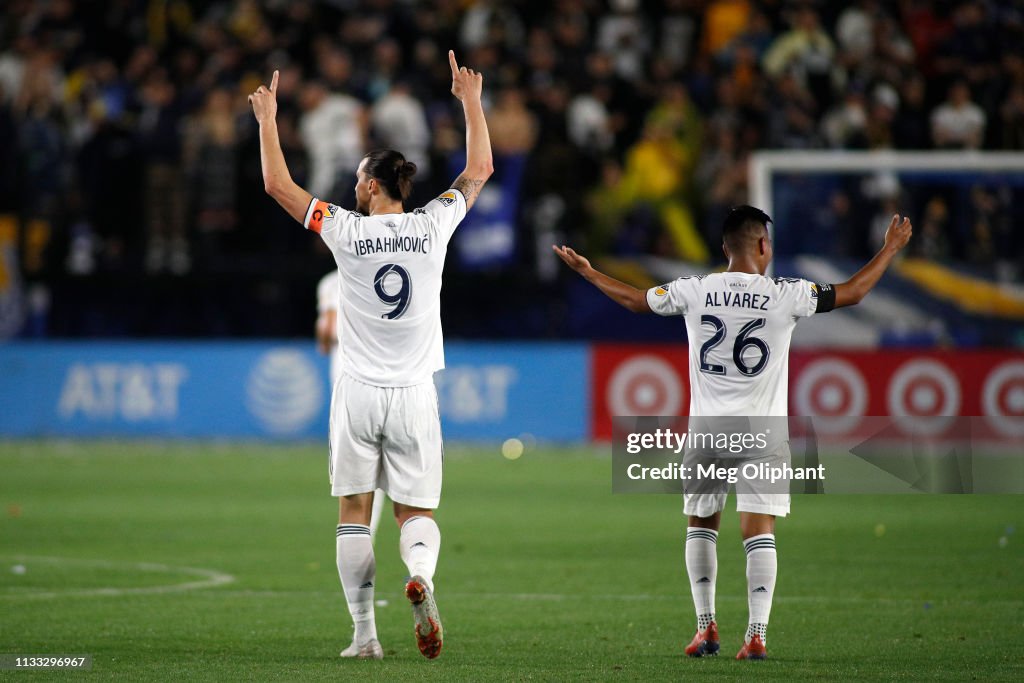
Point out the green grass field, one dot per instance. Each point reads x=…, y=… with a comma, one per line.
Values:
x=216, y=562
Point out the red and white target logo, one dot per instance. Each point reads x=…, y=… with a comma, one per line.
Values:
x=925, y=395
x=1002, y=399
x=645, y=385
x=834, y=391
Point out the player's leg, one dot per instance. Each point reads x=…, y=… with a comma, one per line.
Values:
x=419, y=541
x=703, y=519
x=759, y=502
x=758, y=531
x=412, y=463
x=419, y=544
x=375, y=514
x=357, y=569
x=355, y=463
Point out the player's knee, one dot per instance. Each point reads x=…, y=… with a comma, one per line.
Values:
x=403, y=513
x=355, y=509
x=711, y=522
x=755, y=524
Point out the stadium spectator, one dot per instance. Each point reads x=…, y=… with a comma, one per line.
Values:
x=855, y=32
x=512, y=125
x=793, y=116
x=625, y=34
x=933, y=244
x=724, y=20
x=333, y=129
x=1011, y=119
x=211, y=153
x=399, y=122
x=911, y=125
x=806, y=52
x=589, y=120
x=160, y=145
x=845, y=125
x=958, y=123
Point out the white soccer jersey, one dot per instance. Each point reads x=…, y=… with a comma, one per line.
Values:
x=328, y=295
x=389, y=318
x=739, y=327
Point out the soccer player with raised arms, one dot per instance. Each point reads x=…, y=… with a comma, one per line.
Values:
x=739, y=366
x=385, y=427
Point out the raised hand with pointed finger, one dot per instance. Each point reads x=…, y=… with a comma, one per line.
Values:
x=466, y=83
x=264, y=100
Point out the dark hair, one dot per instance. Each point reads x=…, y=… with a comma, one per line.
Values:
x=743, y=225
x=392, y=171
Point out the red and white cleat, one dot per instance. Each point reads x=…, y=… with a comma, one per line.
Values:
x=755, y=649
x=428, y=622
x=704, y=643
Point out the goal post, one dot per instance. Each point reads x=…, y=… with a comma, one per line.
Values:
x=765, y=164
x=790, y=178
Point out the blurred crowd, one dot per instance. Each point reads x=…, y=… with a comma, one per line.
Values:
x=130, y=159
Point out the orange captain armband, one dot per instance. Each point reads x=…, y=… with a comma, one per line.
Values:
x=316, y=215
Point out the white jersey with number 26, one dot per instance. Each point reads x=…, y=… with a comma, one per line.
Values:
x=739, y=327
x=389, y=318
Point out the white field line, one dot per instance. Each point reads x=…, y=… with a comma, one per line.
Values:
x=210, y=578
x=207, y=578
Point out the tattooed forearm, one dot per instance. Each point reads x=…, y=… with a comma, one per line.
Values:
x=469, y=188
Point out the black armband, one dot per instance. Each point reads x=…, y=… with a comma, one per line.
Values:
x=826, y=298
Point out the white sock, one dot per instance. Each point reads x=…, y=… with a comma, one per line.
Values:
x=702, y=568
x=357, y=570
x=762, y=568
x=375, y=513
x=420, y=543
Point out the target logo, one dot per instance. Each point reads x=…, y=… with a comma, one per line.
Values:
x=1002, y=398
x=925, y=395
x=834, y=391
x=645, y=385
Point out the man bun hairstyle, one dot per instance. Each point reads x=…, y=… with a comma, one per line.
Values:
x=392, y=171
x=743, y=226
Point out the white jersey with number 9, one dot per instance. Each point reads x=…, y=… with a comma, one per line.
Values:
x=389, y=319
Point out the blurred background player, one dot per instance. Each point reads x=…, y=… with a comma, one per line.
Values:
x=385, y=426
x=728, y=381
x=327, y=293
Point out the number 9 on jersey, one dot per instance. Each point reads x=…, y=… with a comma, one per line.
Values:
x=394, y=288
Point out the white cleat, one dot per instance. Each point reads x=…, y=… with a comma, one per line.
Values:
x=427, y=621
x=370, y=650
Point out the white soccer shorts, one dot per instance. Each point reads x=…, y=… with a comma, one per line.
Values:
x=387, y=438
x=750, y=496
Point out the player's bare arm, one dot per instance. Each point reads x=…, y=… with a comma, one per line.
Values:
x=857, y=287
x=277, y=181
x=625, y=295
x=326, y=326
x=467, y=86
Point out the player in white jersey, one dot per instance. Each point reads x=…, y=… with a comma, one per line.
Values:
x=328, y=293
x=328, y=297
x=385, y=427
x=738, y=325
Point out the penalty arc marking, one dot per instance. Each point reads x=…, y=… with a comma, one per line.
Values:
x=204, y=578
